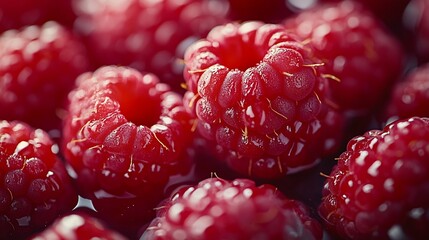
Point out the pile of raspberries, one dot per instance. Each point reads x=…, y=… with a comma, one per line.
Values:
x=214, y=119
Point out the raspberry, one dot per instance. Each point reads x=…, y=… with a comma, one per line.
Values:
x=34, y=187
x=259, y=98
x=356, y=49
x=410, y=97
x=147, y=35
x=77, y=226
x=126, y=135
x=238, y=209
x=380, y=187
x=39, y=65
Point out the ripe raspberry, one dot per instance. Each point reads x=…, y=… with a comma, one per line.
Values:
x=380, y=187
x=410, y=97
x=356, y=49
x=126, y=135
x=144, y=34
x=77, y=226
x=34, y=188
x=39, y=65
x=259, y=97
x=238, y=209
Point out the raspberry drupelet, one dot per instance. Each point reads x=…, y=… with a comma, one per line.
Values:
x=39, y=65
x=221, y=209
x=125, y=136
x=34, y=188
x=380, y=187
x=259, y=99
x=357, y=49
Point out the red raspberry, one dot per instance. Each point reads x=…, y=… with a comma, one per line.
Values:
x=39, y=65
x=357, y=50
x=34, y=188
x=77, y=226
x=238, y=209
x=259, y=97
x=144, y=34
x=380, y=187
x=126, y=135
x=410, y=97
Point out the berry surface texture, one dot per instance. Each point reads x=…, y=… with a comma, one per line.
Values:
x=214, y=120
